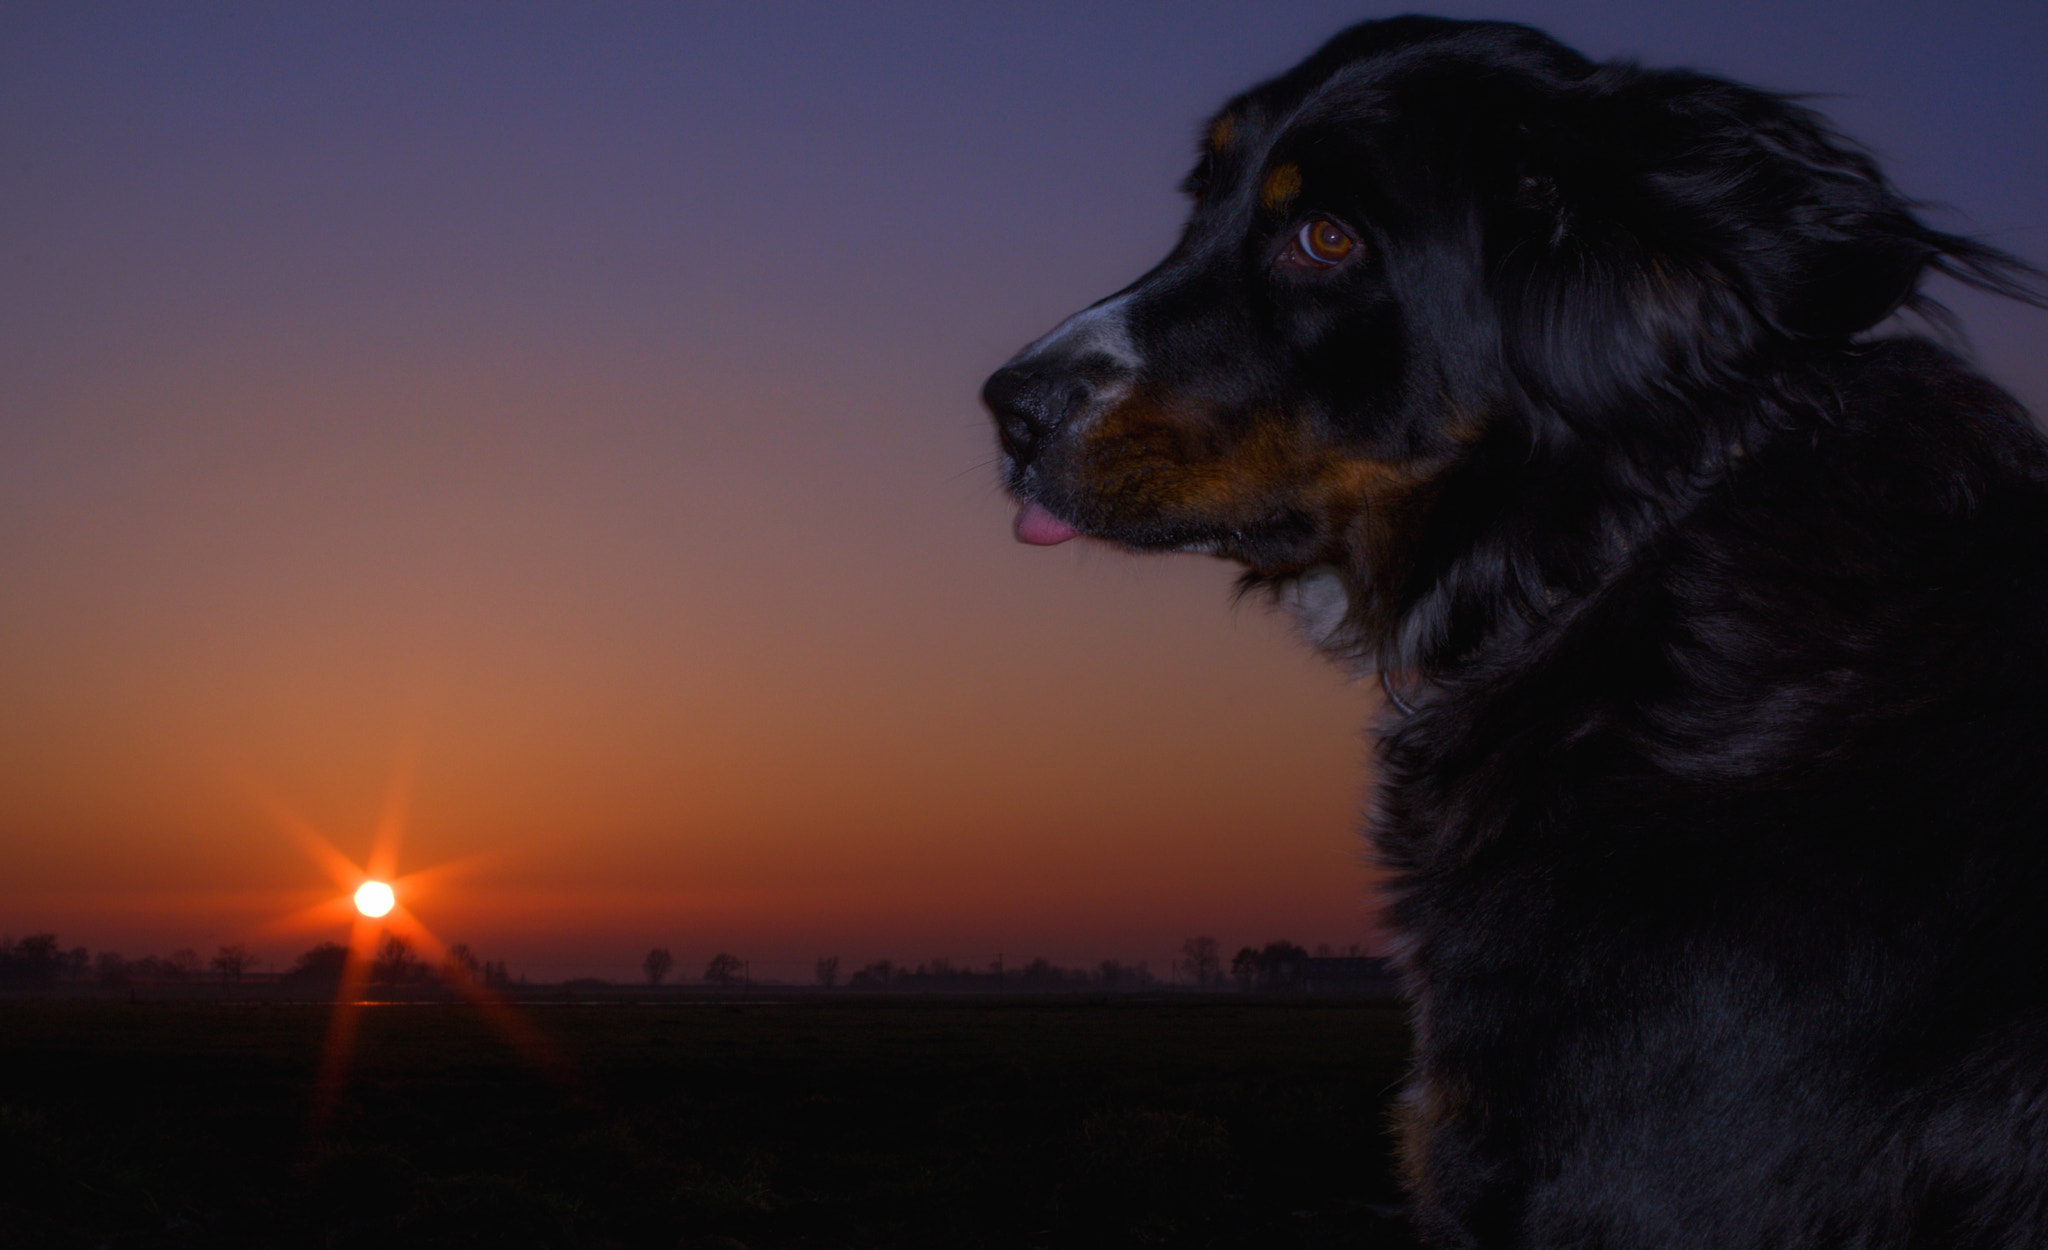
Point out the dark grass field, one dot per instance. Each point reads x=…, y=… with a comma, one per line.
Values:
x=819, y=1122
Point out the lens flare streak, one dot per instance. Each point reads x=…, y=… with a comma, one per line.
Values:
x=373, y=899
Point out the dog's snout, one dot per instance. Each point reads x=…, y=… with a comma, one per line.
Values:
x=1030, y=403
x=1086, y=364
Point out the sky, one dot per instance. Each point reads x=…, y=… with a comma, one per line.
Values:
x=541, y=440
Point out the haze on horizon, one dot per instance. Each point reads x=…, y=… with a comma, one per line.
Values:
x=552, y=433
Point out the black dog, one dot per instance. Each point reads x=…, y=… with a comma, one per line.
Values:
x=1715, y=794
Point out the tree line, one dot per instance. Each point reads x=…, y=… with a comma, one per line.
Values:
x=396, y=963
x=40, y=961
x=1279, y=965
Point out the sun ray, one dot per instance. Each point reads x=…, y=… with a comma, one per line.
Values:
x=366, y=934
x=326, y=915
x=390, y=830
x=435, y=876
x=509, y=1022
x=342, y=1022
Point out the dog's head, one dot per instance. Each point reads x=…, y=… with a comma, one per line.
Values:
x=1445, y=288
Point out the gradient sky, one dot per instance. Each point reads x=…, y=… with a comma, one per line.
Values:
x=550, y=431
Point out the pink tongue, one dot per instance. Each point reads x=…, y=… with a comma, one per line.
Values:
x=1041, y=528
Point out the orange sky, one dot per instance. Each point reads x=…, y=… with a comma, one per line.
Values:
x=576, y=416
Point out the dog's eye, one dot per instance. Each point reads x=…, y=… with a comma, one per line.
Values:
x=1323, y=243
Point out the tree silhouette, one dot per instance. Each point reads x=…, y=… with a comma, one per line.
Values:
x=460, y=967
x=723, y=969
x=324, y=962
x=153, y=968
x=1043, y=974
x=34, y=960
x=1281, y=965
x=232, y=961
x=395, y=962
x=876, y=976
x=657, y=964
x=1201, y=962
x=827, y=971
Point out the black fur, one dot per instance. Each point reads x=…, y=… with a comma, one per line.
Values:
x=1718, y=821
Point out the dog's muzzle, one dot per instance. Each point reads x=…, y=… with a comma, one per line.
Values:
x=1046, y=394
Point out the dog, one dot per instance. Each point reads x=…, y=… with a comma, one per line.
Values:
x=1712, y=790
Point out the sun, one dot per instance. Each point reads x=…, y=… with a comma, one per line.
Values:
x=374, y=899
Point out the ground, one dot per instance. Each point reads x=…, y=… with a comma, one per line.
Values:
x=819, y=1122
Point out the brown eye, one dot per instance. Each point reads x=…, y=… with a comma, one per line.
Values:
x=1323, y=242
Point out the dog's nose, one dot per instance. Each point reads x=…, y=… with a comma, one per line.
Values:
x=1030, y=403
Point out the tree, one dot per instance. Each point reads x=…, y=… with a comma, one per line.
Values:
x=1043, y=974
x=324, y=962
x=876, y=976
x=460, y=967
x=34, y=960
x=395, y=962
x=153, y=968
x=827, y=971
x=1201, y=963
x=232, y=961
x=657, y=964
x=1281, y=965
x=187, y=961
x=1245, y=967
x=723, y=969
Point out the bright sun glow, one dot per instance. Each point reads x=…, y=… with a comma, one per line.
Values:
x=374, y=899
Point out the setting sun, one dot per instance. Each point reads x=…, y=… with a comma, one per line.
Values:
x=374, y=899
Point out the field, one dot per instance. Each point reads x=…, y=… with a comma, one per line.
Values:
x=819, y=1122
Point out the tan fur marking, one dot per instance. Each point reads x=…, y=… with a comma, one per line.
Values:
x=1154, y=460
x=1281, y=186
x=1157, y=462
x=1220, y=133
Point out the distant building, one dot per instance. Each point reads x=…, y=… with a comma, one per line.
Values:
x=1361, y=974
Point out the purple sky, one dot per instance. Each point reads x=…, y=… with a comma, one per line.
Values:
x=564, y=416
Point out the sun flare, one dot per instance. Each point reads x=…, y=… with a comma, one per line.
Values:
x=374, y=899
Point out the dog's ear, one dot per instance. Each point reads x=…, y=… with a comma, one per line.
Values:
x=1666, y=224
x=1805, y=223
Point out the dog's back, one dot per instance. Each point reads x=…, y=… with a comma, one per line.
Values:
x=1724, y=893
